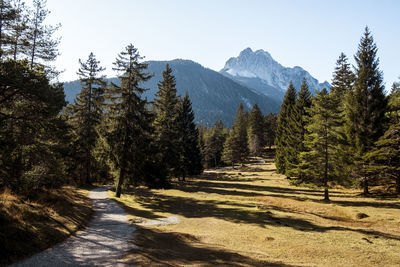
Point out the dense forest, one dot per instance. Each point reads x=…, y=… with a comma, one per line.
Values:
x=348, y=136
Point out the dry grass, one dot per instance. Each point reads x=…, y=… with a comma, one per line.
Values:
x=30, y=225
x=253, y=217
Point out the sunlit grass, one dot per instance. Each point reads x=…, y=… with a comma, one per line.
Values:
x=256, y=214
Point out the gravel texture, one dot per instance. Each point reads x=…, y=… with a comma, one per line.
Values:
x=102, y=243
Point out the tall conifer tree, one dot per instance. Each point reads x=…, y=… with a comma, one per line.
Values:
x=236, y=147
x=322, y=137
x=366, y=105
x=214, y=145
x=256, y=131
x=270, y=122
x=190, y=160
x=130, y=135
x=17, y=40
x=7, y=15
x=297, y=130
x=166, y=122
x=342, y=87
x=41, y=43
x=282, y=132
x=88, y=111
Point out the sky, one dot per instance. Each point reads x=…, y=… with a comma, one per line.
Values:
x=306, y=33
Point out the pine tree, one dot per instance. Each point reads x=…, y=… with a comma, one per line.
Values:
x=236, y=145
x=7, y=16
x=384, y=158
x=270, y=122
x=41, y=44
x=166, y=122
x=88, y=112
x=256, y=131
x=282, y=132
x=190, y=160
x=32, y=131
x=214, y=141
x=342, y=87
x=322, y=137
x=343, y=78
x=130, y=133
x=394, y=103
x=297, y=130
x=366, y=105
x=17, y=39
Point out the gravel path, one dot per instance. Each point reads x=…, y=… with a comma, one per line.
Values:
x=102, y=243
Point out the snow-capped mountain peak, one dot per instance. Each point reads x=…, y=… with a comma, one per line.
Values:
x=258, y=70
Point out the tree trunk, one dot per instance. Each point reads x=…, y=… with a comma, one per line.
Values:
x=88, y=167
x=365, y=184
x=120, y=182
x=326, y=195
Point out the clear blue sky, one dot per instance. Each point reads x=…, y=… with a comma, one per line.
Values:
x=307, y=33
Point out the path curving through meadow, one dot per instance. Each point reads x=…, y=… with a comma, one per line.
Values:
x=102, y=243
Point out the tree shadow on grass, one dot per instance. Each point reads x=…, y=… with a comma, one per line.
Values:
x=214, y=183
x=237, y=213
x=157, y=248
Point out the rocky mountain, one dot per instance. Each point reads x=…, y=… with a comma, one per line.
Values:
x=214, y=96
x=258, y=70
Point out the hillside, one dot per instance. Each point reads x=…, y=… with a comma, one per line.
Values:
x=214, y=96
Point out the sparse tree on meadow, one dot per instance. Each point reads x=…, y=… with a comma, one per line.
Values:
x=366, y=105
x=321, y=140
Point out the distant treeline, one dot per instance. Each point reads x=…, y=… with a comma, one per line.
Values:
x=249, y=136
x=348, y=136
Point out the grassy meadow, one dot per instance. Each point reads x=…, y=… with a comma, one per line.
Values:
x=252, y=216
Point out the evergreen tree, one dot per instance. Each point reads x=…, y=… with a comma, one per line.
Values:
x=17, y=39
x=297, y=130
x=322, y=137
x=282, y=131
x=342, y=86
x=256, y=131
x=366, y=105
x=384, y=159
x=88, y=112
x=129, y=118
x=190, y=160
x=236, y=145
x=394, y=103
x=41, y=45
x=270, y=129
x=166, y=122
x=32, y=131
x=214, y=145
x=7, y=15
x=343, y=78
